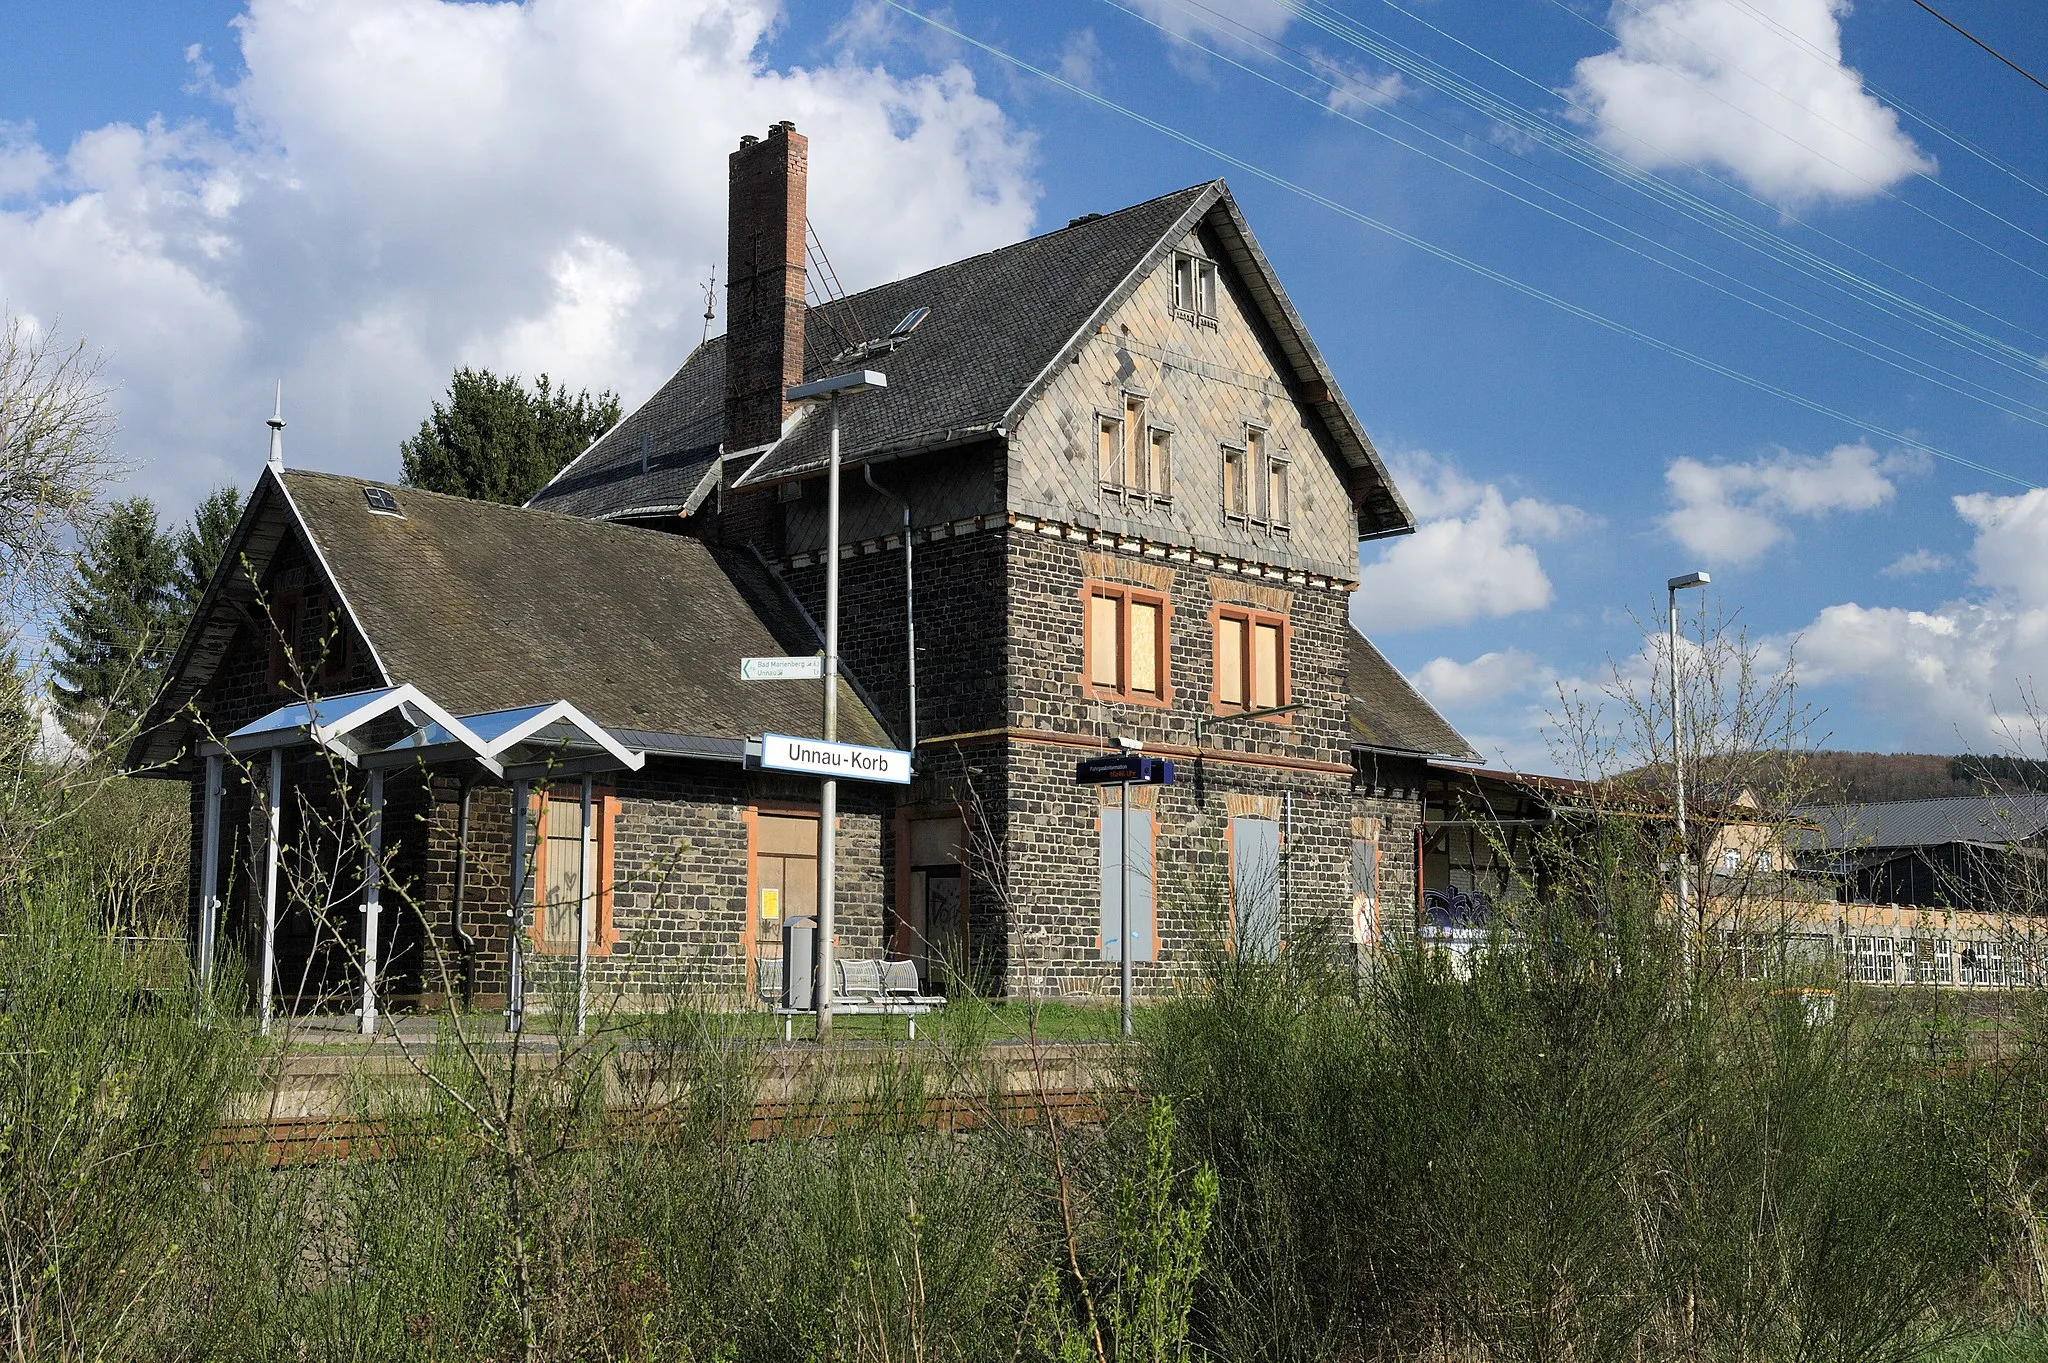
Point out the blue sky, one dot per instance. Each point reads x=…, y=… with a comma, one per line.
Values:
x=356, y=197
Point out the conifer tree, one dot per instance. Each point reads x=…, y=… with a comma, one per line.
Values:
x=116, y=625
x=496, y=440
x=201, y=544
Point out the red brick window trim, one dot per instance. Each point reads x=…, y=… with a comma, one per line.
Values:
x=1124, y=644
x=557, y=868
x=1253, y=655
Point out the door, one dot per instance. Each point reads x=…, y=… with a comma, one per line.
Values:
x=785, y=878
x=936, y=915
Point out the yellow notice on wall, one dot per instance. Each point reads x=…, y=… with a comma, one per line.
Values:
x=771, y=903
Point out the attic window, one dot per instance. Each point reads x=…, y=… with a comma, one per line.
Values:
x=381, y=502
x=1194, y=288
x=911, y=321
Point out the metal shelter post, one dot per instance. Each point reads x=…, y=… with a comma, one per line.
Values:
x=828, y=802
x=583, y=901
x=1123, y=897
x=273, y=831
x=515, y=916
x=373, y=877
x=209, y=877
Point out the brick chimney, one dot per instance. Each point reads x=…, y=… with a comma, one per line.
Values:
x=764, y=283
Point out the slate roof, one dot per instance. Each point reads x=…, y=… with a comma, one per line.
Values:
x=1000, y=323
x=1997, y=820
x=1388, y=713
x=485, y=607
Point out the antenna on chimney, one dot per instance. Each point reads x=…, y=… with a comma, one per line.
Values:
x=276, y=424
x=710, y=307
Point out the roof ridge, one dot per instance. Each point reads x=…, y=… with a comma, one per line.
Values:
x=1075, y=224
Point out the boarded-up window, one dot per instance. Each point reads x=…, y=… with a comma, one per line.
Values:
x=1126, y=643
x=1251, y=659
x=1255, y=887
x=1230, y=661
x=1255, y=459
x=1365, y=890
x=561, y=887
x=1136, y=450
x=1139, y=886
x=1276, y=489
x=1162, y=463
x=1233, y=481
x=1144, y=647
x=1109, y=450
x=1104, y=642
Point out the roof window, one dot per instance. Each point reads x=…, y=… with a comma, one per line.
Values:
x=382, y=503
x=911, y=321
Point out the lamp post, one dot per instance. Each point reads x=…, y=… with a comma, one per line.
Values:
x=830, y=390
x=1671, y=590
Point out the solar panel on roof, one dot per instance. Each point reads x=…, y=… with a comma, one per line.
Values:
x=381, y=501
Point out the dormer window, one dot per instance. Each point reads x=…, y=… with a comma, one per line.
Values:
x=1194, y=287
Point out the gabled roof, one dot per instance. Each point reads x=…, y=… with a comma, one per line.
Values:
x=486, y=607
x=1387, y=713
x=1993, y=820
x=1000, y=324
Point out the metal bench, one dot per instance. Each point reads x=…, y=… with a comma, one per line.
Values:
x=862, y=988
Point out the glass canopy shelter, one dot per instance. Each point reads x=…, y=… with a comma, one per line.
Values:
x=396, y=727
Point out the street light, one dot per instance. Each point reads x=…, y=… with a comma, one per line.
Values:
x=830, y=391
x=1671, y=590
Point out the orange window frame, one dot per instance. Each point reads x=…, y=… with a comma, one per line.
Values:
x=1127, y=596
x=604, y=817
x=750, y=817
x=1251, y=619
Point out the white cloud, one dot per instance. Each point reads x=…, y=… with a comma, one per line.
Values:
x=1353, y=89
x=1757, y=89
x=411, y=184
x=1946, y=676
x=1732, y=513
x=1081, y=59
x=1232, y=21
x=1915, y=563
x=1490, y=677
x=1471, y=557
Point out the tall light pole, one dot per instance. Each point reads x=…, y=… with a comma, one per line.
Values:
x=830, y=391
x=1671, y=591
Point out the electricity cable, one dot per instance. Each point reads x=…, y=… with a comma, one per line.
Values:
x=1463, y=262
x=1570, y=144
x=1981, y=43
x=1772, y=305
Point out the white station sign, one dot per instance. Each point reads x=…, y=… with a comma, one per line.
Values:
x=851, y=761
x=782, y=669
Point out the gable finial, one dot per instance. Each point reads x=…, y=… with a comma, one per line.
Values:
x=276, y=424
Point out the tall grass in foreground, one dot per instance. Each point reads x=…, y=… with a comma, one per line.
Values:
x=109, y=1091
x=1580, y=1150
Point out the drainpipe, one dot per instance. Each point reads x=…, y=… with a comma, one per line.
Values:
x=465, y=943
x=909, y=601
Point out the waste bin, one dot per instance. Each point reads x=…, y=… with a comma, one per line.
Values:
x=799, y=963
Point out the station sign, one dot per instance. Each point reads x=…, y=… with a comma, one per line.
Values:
x=816, y=757
x=1134, y=767
x=782, y=669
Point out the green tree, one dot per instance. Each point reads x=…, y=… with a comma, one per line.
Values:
x=201, y=544
x=116, y=624
x=497, y=440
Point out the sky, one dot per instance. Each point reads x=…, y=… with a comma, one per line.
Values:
x=1620, y=291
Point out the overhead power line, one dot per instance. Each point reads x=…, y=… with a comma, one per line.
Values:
x=1981, y=43
x=1464, y=262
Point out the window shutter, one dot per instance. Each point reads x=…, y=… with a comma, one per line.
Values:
x=1141, y=889
x=1255, y=887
